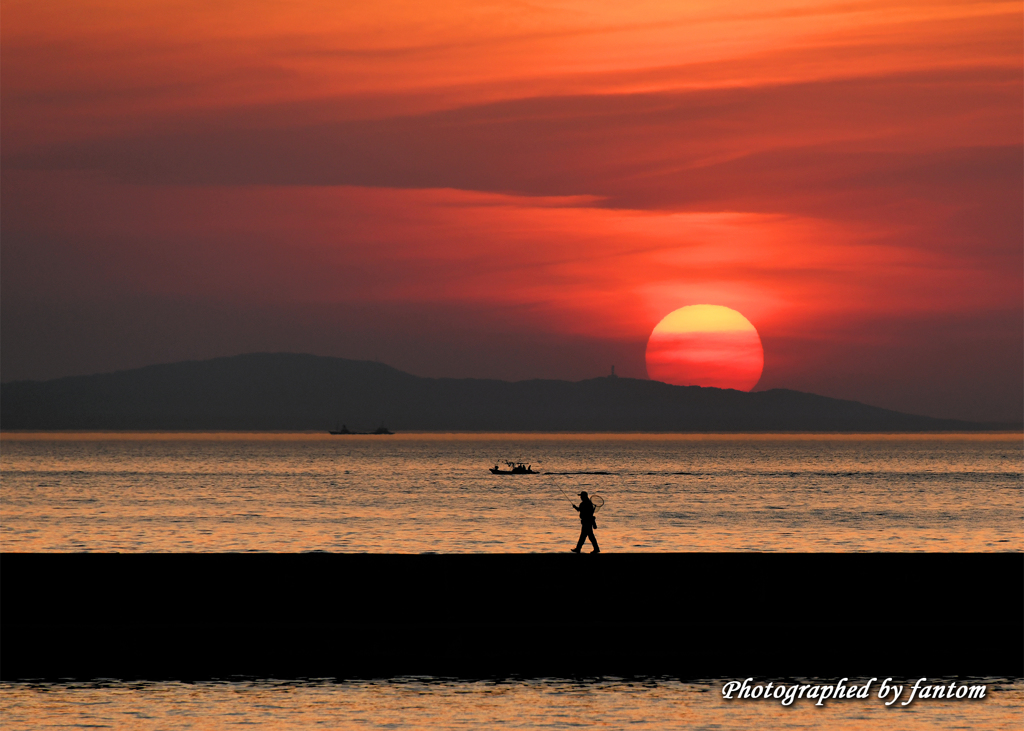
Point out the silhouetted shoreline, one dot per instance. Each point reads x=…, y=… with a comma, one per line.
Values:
x=288, y=392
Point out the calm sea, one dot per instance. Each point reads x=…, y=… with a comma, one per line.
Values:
x=425, y=703
x=433, y=493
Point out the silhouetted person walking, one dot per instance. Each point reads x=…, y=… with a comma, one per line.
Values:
x=587, y=523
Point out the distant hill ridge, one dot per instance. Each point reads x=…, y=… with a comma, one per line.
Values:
x=294, y=392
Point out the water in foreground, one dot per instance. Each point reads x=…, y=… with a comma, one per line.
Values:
x=415, y=703
x=434, y=493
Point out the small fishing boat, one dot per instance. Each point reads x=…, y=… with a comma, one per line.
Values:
x=515, y=468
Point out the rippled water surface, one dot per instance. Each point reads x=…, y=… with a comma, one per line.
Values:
x=419, y=703
x=423, y=493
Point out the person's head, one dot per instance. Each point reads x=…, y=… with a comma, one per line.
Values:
x=584, y=495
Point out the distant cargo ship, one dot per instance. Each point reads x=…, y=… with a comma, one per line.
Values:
x=345, y=430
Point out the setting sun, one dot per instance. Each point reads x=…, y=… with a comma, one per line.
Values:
x=705, y=345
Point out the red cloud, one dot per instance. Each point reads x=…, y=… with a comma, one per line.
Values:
x=518, y=191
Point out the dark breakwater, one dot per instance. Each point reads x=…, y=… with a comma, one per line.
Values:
x=195, y=616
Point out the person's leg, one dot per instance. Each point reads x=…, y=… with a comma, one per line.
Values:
x=583, y=538
x=593, y=541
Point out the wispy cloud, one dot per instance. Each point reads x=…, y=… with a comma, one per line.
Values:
x=455, y=177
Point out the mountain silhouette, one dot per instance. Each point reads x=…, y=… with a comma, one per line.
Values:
x=285, y=391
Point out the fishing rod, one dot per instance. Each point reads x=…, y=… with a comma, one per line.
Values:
x=566, y=496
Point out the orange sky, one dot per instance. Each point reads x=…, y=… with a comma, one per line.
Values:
x=515, y=191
